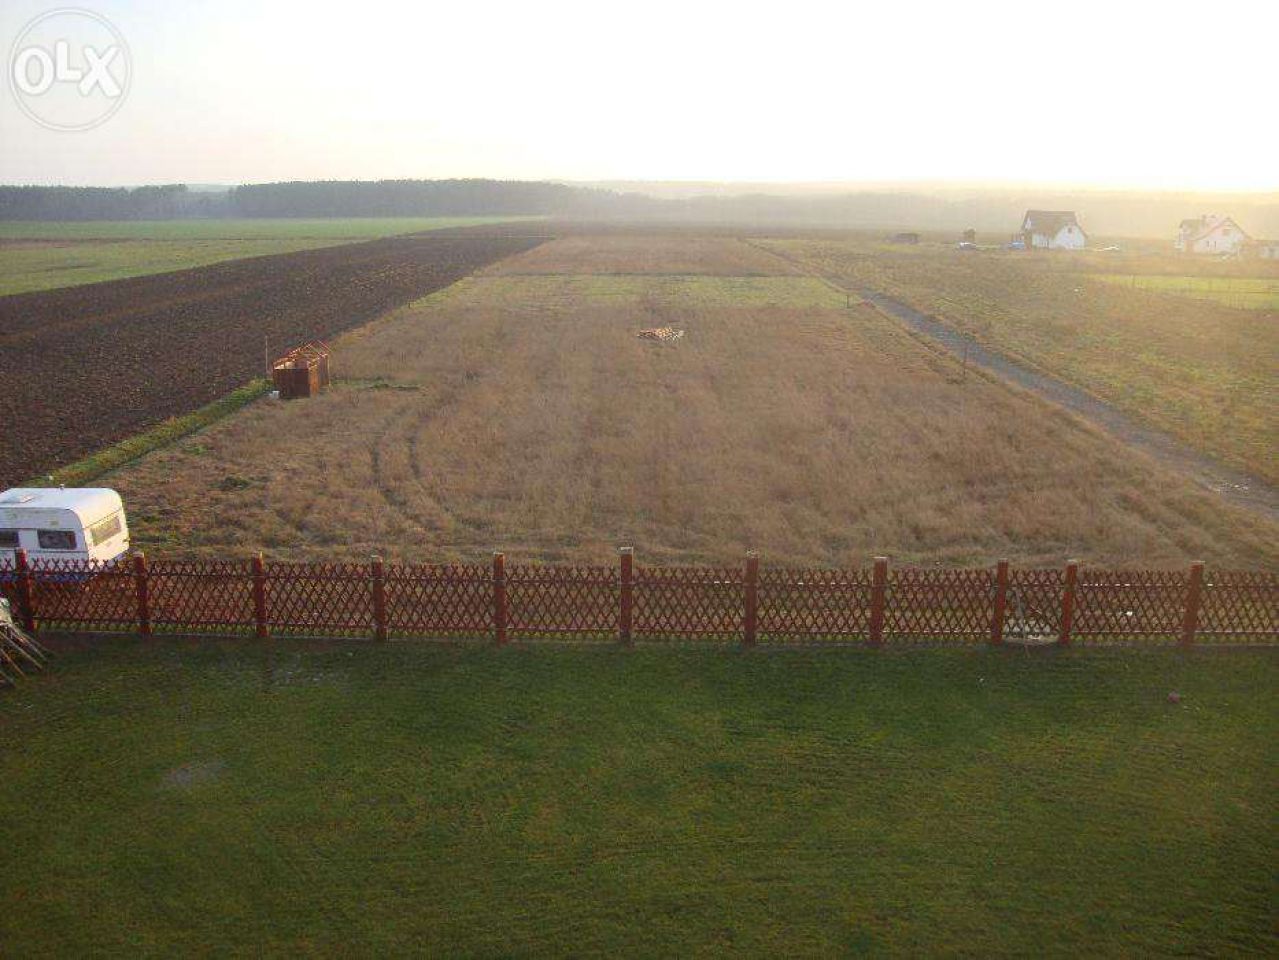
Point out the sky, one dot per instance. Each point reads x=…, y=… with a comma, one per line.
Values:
x=1153, y=95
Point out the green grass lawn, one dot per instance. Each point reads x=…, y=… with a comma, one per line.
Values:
x=1248, y=293
x=173, y=797
x=46, y=255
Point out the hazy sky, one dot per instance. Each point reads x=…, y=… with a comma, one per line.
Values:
x=1155, y=94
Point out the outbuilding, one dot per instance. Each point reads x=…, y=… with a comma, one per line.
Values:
x=302, y=372
x=59, y=523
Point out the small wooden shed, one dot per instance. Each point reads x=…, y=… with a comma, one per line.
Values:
x=302, y=372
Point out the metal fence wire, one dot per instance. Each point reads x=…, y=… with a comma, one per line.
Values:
x=627, y=601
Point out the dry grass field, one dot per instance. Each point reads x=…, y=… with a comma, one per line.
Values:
x=1203, y=371
x=672, y=253
x=518, y=410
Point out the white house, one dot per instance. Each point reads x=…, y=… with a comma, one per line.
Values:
x=1268, y=249
x=1052, y=230
x=1210, y=233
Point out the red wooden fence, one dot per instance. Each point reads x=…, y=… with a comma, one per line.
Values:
x=628, y=601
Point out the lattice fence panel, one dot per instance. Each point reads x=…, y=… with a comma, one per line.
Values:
x=189, y=594
x=563, y=601
x=1239, y=605
x=319, y=598
x=938, y=604
x=688, y=602
x=9, y=584
x=439, y=600
x=813, y=604
x=1129, y=604
x=76, y=593
x=1033, y=609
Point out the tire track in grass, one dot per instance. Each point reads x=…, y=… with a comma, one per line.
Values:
x=1237, y=486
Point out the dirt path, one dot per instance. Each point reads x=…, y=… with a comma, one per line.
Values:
x=1234, y=485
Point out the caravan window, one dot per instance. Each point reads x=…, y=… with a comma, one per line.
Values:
x=56, y=539
x=8, y=539
x=104, y=530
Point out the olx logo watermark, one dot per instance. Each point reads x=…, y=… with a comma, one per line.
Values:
x=69, y=69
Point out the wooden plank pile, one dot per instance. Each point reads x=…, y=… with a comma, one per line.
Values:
x=17, y=649
x=661, y=334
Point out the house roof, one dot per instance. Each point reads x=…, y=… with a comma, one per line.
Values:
x=1049, y=222
x=1202, y=226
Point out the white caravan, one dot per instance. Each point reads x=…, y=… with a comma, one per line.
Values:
x=63, y=524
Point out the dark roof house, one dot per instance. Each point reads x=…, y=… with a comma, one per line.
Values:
x=1052, y=228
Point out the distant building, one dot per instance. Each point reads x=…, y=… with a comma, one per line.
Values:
x=904, y=238
x=1210, y=234
x=1268, y=250
x=1052, y=230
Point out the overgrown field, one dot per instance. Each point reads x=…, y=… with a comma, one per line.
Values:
x=84, y=367
x=162, y=800
x=518, y=410
x=1200, y=370
x=47, y=255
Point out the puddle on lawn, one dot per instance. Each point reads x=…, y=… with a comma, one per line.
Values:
x=197, y=773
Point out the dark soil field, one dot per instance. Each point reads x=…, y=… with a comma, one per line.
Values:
x=84, y=367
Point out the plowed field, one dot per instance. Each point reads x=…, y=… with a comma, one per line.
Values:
x=83, y=367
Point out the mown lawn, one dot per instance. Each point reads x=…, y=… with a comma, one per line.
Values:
x=176, y=797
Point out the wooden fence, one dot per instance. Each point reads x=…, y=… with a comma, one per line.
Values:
x=628, y=602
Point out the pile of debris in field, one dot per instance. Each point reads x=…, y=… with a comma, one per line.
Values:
x=16, y=648
x=661, y=334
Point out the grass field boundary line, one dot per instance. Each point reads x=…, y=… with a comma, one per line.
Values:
x=58, y=640
x=1231, y=483
x=225, y=308
x=97, y=464
x=274, y=237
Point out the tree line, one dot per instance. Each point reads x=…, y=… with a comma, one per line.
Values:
x=325, y=198
x=951, y=210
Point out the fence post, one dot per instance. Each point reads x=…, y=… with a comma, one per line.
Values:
x=752, y=598
x=878, y=593
x=1194, y=599
x=627, y=612
x=259, y=597
x=499, y=598
x=1001, y=603
x=1068, y=603
x=26, y=596
x=378, y=572
x=142, y=589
